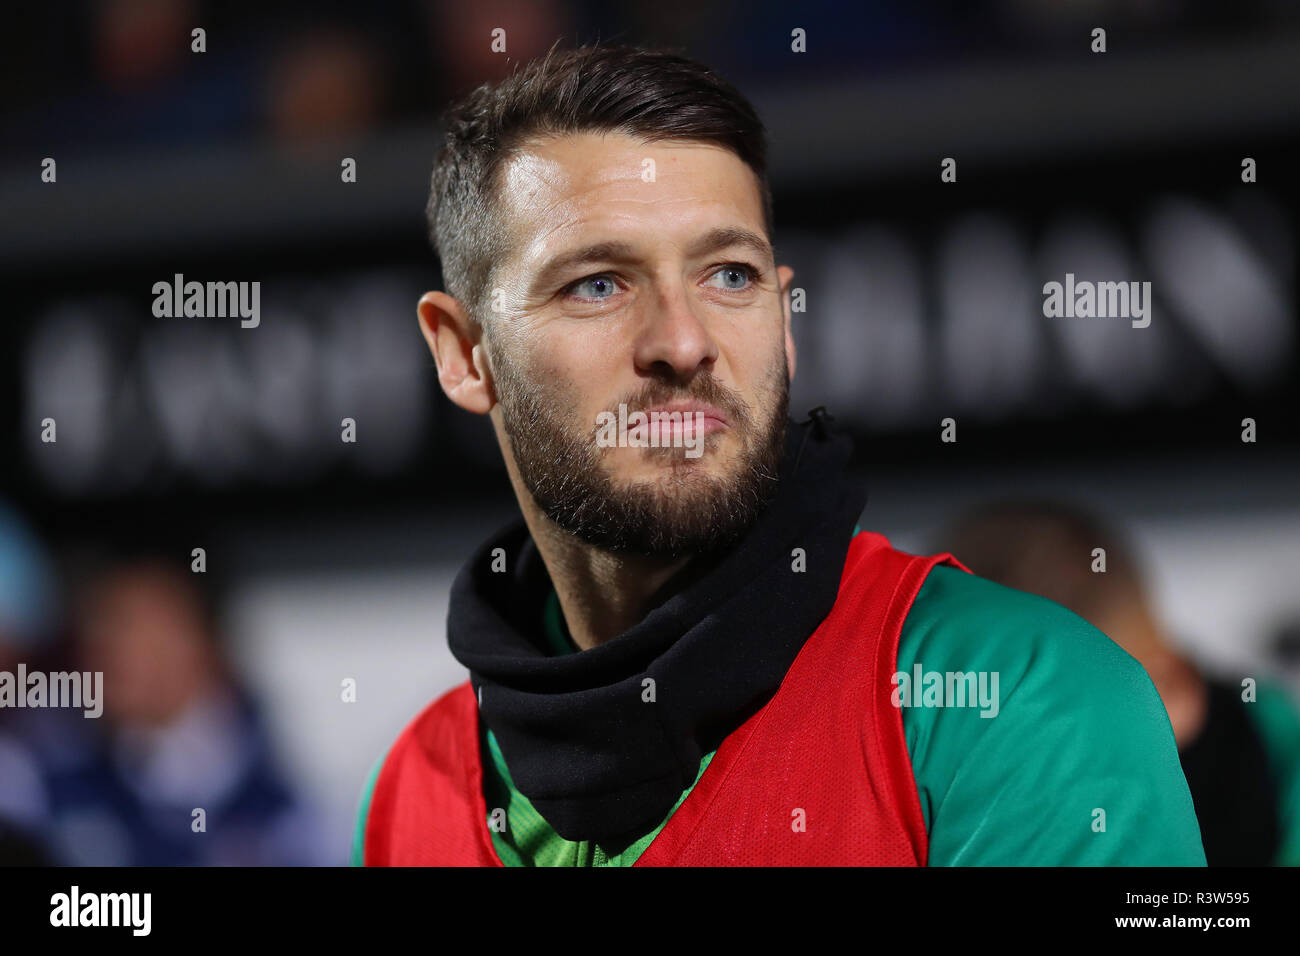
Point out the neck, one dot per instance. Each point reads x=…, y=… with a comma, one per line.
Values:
x=602, y=594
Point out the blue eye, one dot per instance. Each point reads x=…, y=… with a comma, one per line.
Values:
x=603, y=287
x=735, y=277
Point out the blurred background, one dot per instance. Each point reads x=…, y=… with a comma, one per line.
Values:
x=330, y=562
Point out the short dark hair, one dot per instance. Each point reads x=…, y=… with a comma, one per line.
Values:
x=654, y=93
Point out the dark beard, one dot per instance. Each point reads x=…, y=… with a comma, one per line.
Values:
x=683, y=512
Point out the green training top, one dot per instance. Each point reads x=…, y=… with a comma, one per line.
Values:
x=1077, y=768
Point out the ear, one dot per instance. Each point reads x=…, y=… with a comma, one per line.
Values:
x=786, y=275
x=456, y=343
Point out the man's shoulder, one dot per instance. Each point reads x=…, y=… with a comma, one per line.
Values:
x=431, y=741
x=438, y=729
x=1043, y=661
x=1066, y=733
x=969, y=620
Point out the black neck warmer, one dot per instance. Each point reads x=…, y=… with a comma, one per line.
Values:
x=598, y=760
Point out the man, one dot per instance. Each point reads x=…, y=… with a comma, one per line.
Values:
x=1239, y=746
x=685, y=653
x=177, y=733
x=27, y=629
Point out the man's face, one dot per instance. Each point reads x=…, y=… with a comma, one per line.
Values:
x=640, y=275
x=142, y=629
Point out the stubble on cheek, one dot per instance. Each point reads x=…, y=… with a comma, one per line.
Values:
x=537, y=405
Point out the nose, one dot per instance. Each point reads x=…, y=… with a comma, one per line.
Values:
x=672, y=337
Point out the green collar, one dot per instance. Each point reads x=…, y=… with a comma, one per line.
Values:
x=558, y=640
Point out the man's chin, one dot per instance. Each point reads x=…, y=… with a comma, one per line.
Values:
x=666, y=495
x=668, y=515
x=668, y=535
x=650, y=466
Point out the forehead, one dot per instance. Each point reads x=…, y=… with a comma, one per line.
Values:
x=560, y=189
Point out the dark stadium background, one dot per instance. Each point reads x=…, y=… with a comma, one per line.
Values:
x=924, y=302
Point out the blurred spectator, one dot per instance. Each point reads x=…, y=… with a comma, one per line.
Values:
x=461, y=37
x=141, y=43
x=325, y=84
x=127, y=75
x=177, y=735
x=26, y=622
x=1241, y=757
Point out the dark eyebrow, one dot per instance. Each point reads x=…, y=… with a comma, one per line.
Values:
x=614, y=251
x=725, y=236
x=596, y=252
